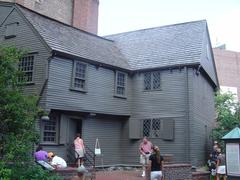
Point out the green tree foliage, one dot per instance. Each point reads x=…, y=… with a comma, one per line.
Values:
x=18, y=114
x=228, y=114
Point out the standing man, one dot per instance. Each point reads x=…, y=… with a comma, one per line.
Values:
x=145, y=149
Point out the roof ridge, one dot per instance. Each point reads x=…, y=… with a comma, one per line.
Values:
x=60, y=22
x=168, y=25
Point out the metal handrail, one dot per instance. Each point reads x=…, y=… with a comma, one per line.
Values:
x=89, y=155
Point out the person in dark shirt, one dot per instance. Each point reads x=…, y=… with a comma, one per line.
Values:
x=156, y=164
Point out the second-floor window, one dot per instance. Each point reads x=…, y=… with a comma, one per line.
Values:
x=120, y=89
x=152, y=80
x=79, y=76
x=25, y=66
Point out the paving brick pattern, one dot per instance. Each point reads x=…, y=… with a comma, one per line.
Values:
x=119, y=175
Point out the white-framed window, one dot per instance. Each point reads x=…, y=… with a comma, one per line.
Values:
x=120, y=84
x=49, y=130
x=79, y=78
x=152, y=81
x=152, y=128
x=26, y=67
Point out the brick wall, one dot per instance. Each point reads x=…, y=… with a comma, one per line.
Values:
x=228, y=68
x=85, y=15
x=70, y=173
x=177, y=171
x=201, y=175
x=82, y=14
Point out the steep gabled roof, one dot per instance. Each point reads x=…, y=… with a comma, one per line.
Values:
x=162, y=46
x=172, y=45
x=67, y=39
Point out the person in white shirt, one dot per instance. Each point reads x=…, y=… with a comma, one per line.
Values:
x=56, y=161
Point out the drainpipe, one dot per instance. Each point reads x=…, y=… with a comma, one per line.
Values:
x=188, y=146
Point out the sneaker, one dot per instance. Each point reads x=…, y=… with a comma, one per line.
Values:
x=143, y=174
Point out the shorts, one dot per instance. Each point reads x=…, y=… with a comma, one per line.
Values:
x=144, y=159
x=221, y=169
x=156, y=175
x=79, y=153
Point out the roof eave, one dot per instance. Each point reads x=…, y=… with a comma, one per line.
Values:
x=98, y=64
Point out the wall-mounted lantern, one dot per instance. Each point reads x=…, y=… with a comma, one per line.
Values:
x=43, y=115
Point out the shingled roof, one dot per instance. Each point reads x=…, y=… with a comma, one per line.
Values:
x=67, y=39
x=162, y=46
x=172, y=45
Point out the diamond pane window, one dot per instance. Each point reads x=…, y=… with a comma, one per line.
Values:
x=151, y=128
x=156, y=127
x=147, y=81
x=25, y=66
x=79, y=75
x=156, y=80
x=152, y=80
x=120, y=84
x=146, y=127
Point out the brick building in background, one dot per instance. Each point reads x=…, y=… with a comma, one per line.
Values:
x=82, y=14
x=228, y=70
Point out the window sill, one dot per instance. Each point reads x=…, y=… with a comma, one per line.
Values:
x=78, y=90
x=27, y=83
x=152, y=90
x=119, y=96
x=49, y=144
x=9, y=36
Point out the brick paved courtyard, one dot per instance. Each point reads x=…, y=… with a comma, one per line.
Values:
x=119, y=175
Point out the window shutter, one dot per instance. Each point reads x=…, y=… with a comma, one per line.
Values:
x=135, y=129
x=11, y=30
x=168, y=129
x=63, y=130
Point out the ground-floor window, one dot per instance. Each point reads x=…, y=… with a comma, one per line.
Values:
x=151, y=128
x=159, y=128
x=49, y=129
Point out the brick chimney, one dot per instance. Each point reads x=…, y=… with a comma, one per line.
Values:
x=85, y=15
x=20, y=2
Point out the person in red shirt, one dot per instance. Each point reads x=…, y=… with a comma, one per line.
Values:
x=145, y=150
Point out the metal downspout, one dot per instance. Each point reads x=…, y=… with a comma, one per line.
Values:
x=188, y=145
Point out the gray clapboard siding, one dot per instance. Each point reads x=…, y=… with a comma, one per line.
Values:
x=4, y=11
x=202, y=116
x=169, y=102
x=100, y=90
x=109, y=132
x=176, y=147
x=28, y=40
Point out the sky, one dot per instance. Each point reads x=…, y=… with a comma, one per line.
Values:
x=223, y=17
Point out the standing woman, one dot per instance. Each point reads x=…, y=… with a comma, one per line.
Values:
x=156, y=164
x=221, y=165
x=79, y=149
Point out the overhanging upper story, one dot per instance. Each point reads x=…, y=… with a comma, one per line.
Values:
x=77, y=68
